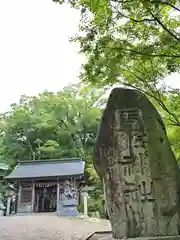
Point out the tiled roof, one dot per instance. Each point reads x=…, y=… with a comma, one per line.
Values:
x=48, y=168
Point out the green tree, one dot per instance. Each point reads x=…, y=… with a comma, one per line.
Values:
x=123, y=32
x=134, y=43
x=53, y=125
x=172, y=126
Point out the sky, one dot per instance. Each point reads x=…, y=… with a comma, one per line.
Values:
x=35, y=52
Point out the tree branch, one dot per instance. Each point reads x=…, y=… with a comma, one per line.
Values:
x=132, y=19
x=167, y=3
x=152, y=20
x=160, y=2
x=157, y=98
x=175, y=120
x=127, y=1
x=164, y=27
x=144, y=53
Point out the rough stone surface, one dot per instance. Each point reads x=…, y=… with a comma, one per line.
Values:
x=110, y=237
x=48, y=227
x=141, y=177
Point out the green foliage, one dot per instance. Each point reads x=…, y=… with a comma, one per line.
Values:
x=3, y=188
x=94, y=205
x=133, y=43
x=121, y=33
x=96, y=199
x=172, y=121
x=53, y=125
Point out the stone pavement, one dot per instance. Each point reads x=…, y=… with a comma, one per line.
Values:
x=48, y=227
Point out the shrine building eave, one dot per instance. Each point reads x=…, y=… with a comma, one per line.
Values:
x=48, y=169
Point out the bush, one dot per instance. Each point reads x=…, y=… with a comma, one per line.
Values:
x=94, y=206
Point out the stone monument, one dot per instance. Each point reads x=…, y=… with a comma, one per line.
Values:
x=134, y=159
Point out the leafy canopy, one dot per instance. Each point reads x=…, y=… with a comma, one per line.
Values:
x=135, y=43
x=53, y=125
x=120, y=36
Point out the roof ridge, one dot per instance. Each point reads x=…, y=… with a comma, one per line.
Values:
x=60, y=160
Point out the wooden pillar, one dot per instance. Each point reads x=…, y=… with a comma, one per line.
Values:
x=37, y=203
x=57, y=200
x=19, y=197
x=33, y=196
x=13, y=204
x=42, y=204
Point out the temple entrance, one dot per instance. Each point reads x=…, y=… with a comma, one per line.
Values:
x=45, y=199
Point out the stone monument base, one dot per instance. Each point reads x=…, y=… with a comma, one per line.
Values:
x=68, y=208
x=107, y=235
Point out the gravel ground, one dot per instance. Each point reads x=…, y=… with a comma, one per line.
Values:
x=48, y=227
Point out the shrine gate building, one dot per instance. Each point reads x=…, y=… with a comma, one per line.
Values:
x=47, y=185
